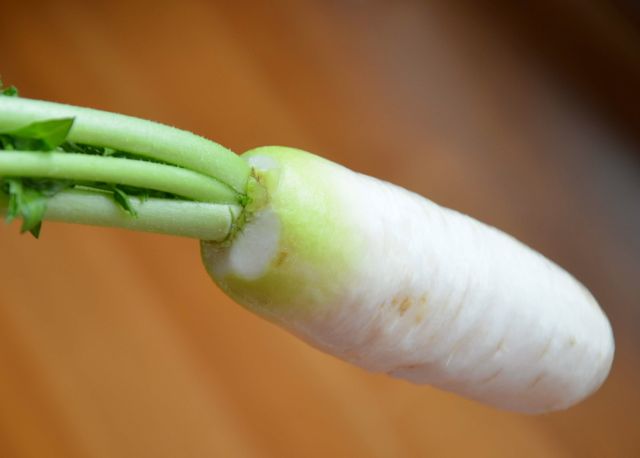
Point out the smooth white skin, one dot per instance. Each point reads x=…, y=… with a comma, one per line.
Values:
x=432, y=296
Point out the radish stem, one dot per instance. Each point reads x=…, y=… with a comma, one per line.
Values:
x=199, y=220
x=125, y=133
x=204, y=184
x=116, y=170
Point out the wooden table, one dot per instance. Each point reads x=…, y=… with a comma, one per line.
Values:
x=116, y=344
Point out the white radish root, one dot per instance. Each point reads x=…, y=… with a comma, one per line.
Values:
x=389, y=281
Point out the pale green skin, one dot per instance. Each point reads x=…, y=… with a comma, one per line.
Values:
x=317, y=251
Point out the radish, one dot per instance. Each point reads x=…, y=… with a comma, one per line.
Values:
x=362, y=269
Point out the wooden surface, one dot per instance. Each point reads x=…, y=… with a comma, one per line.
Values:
x=116, y=344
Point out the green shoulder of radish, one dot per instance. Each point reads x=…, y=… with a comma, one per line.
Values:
x=360, y=268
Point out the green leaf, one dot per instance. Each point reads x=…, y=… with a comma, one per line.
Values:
x=124, y=201
x=10, y=91
x=72, y=147
x=13, y=187
x=6, y=142
x=41, y=135
x=80, y=148
x=32, y=208
x=28, y=203
x=46, y=186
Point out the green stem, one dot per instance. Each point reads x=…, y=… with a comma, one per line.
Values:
x=204, y=221
x=131, y=172
x=132, y=135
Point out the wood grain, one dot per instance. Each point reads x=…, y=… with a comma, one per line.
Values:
x=118, y=344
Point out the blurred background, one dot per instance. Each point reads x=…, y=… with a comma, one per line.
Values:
x=525, y=115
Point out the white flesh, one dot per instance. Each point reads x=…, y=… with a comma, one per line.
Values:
x=432, y=296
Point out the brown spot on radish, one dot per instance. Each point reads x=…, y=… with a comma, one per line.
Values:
x=535, y=381
x=500, y=345
x=405, y=305
x=423, y=309
x=572, y=341
x=281, y=258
